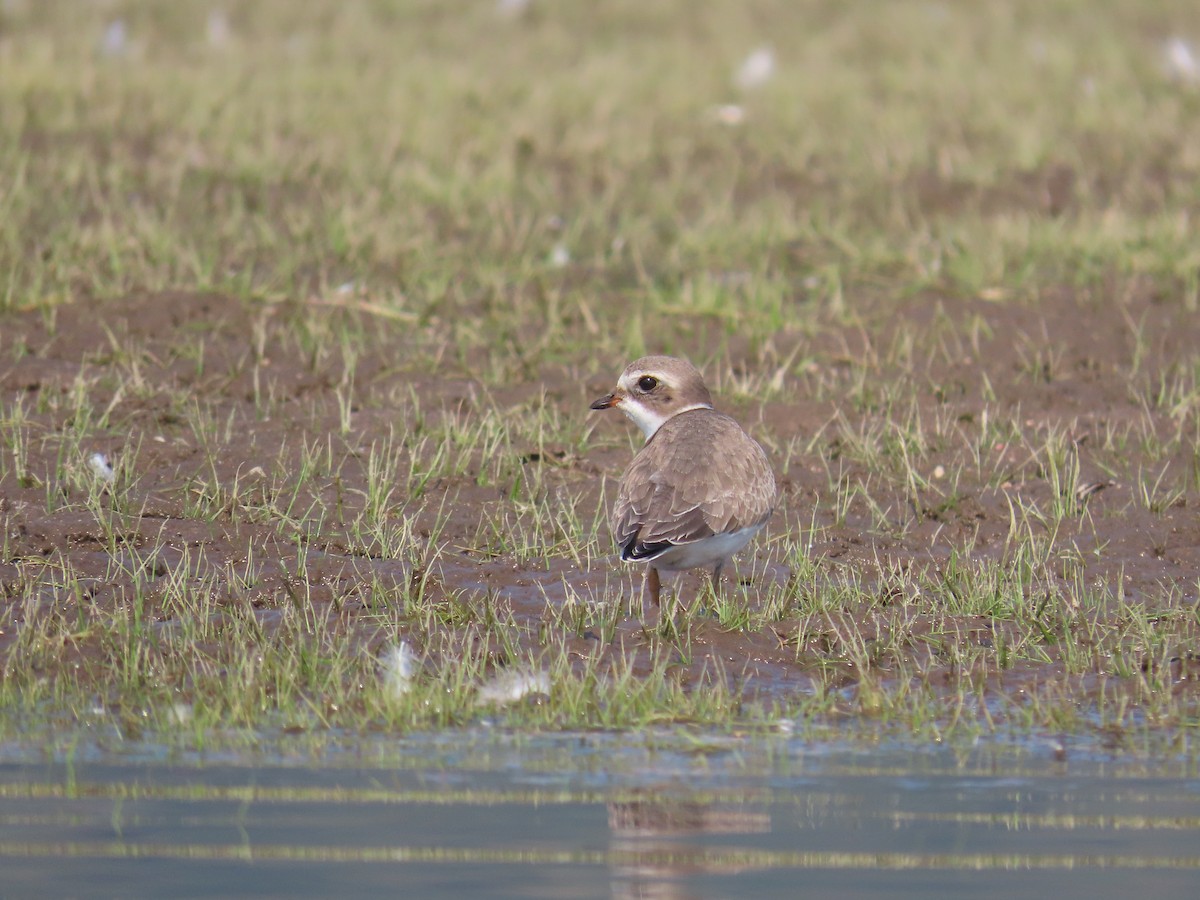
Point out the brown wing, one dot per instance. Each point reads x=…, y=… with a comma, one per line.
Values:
x=698, y=476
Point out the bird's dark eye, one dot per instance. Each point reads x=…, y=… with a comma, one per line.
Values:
x=647, y=383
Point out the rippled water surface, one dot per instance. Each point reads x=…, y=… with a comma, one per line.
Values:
x=663, y=815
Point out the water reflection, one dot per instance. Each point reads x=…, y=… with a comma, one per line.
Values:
x=662, y=816
x=649, y=851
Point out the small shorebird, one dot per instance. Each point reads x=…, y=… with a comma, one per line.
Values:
x=700, y=488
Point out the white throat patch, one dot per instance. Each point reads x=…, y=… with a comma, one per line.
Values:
x=650, y=421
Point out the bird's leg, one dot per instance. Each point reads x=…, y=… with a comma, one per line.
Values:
x=652, y=585
x=666, y=617
x=716, y=579
x=716, y=588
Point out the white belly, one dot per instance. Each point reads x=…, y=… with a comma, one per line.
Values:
x=705, y=553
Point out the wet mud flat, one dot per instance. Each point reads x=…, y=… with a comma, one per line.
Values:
x=987, y=511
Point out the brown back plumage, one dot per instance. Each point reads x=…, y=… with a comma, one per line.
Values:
x=699, y=475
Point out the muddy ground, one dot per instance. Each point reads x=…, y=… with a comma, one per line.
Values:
x=1081, y=363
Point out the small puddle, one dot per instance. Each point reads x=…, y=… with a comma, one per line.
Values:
x=667, y=814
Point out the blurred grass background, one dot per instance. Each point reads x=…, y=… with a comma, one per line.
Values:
x=480, y=157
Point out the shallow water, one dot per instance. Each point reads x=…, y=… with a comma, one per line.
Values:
x=669, y=814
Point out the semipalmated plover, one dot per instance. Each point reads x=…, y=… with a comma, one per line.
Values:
x=700, y=488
